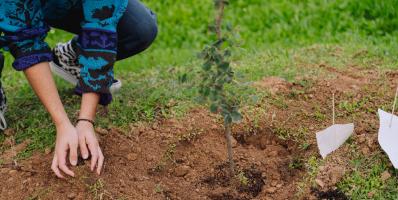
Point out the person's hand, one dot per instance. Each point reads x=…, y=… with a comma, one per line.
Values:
x=88, y=143
x=67, y=139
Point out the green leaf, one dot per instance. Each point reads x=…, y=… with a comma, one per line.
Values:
x=218, y=43
x=236, y=117
x=229, y=26
x=206, y=66
x=214, y=108
x=224, y=65
x=212, y=28
x=227, y=119
x=204, y=91
x=182, y=78
x=200, y=99
x=255, y=98
x=227, y=53
x=213, y=95
x=224, y=110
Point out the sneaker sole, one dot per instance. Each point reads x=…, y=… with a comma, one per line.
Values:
x=59, y=71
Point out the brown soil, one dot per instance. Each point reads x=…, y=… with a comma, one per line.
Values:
x=186, y=158
x=330, y=195
x=273, y=84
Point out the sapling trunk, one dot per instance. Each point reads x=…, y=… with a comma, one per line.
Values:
x=219, y=19
x=228, y=136
x=217, y=73
x=227, y=126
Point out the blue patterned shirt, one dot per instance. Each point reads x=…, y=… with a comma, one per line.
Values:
x=24, y=29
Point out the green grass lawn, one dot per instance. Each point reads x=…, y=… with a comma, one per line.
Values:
x=273, y=36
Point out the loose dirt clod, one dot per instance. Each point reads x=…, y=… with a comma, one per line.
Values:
x=385, y=175
x=181, y=171
x=132, y=156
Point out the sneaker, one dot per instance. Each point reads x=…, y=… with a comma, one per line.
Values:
x=66, y=66
x=3, y=99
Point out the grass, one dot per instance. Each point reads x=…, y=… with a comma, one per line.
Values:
x=278, y=38
x=367, y=183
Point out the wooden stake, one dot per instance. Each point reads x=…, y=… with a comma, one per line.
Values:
x=334, y=112
x=393, y=106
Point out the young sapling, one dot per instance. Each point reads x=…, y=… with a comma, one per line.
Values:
x=216, y=75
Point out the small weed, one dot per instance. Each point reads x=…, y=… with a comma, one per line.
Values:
x=243, y=180
x=318, y=115
x=305, y=83
x=39, y=194
x=166, y=158
x=305, y=146
x=295, y=93
x=312, y=168
x=158, y=188
x=169, y=155
x=279, y=102
x=353, y=106
x=296, y=163
x=290, y=134
x=189, y=137
x=282, y=133
x=97, y=189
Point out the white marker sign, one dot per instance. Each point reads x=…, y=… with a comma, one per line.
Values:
x=388, y=135
x=333, y=137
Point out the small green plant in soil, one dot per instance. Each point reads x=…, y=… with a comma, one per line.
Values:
x=97, y=189
x=243, y=179
x=217, y=75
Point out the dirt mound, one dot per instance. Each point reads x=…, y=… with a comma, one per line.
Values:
x=348, y=80
x=168, y=159
x=273, y=84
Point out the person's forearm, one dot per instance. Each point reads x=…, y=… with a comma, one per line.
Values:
x=89, y=106
x=42, y=82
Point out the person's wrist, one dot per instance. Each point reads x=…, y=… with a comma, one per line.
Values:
x=84, y=123
x=86, y=120
x=63, y=123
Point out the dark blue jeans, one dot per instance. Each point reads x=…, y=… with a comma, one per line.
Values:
x=137, y=28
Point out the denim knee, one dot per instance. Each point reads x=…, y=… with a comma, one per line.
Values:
x=137, y=37
x=148, y=33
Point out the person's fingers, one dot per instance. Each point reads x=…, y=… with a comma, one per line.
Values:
x=73, y=154
x=94, y=154
x=100, y=161
x=83, y=147
x=62, y=164
x=54, y=167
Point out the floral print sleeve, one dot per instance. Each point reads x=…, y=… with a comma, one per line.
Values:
x=97, y=43
x=23, y=32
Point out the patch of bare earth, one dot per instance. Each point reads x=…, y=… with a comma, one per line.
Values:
x=168, y=159
x=186, y=158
